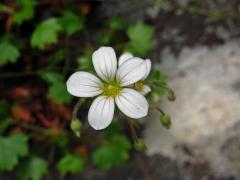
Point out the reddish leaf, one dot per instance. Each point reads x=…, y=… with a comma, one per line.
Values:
x=16, y=130
x=21, y=113
x=60, y=110
x=21, y=92
x=85, y=8
x=83, y=150
x=9, y=23
x=46, y=121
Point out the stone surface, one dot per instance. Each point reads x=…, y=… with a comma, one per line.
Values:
x=206, y=114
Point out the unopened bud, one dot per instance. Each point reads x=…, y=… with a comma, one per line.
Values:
x=166, y=120
x=171, y=96
x=139, y=145
x=76, y=127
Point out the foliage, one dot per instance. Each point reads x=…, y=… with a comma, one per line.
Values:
x=57, y=90
x=11, y=149
x=85, y=62
x=71, y=163
x=8, y=53
x=140, y=36
x=116, y=23
x=46, y=33
x=71, y=23
x=114, y=151
x=42, y=43
x=158, y=83
x=32, y=168
x=26, y=11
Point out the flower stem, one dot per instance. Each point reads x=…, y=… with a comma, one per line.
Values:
x=77, y=107
x=133, y=130
x=158, y=109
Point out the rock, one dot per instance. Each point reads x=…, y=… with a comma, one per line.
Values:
x=131, y=10
x=206, y=112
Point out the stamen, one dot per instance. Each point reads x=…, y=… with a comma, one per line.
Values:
x=111, y=89
x=139, y=85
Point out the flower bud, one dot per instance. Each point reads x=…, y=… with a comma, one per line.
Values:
x=171, y=96
x=166, y=120
x=139, y=145
x=76, y=126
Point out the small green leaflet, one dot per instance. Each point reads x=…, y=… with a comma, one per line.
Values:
x=71, y=163
x=11, y=149
x=113, y=129
x=58, y=92
x=157, y=80
x=116, y=23
x=26, y=11
x=46, y=33
x=32, y=168
x=140, y=36
x=51, y=77
x=57, y=87
x=56, y=58
x=85, y=62
x=8, y=53
x=114, y=152
x=71, y=22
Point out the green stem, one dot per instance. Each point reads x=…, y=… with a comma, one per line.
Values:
x=133, y=130
x=77, y=107
x=158, y=109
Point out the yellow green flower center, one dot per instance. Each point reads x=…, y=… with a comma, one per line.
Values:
x=111, y=89
x=139, y=85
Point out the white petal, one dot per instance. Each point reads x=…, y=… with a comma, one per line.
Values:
x=124, y=57
x=131, y=71
x=132, y=103
x=105, y=63
x=146, y=89
x=101, y=112
x=84, y=84
x=149, y=65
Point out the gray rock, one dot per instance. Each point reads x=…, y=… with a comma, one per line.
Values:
x=206, y=112
x=130, y=10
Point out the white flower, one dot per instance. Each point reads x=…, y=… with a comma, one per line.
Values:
x=139, y=85
x=112, y=88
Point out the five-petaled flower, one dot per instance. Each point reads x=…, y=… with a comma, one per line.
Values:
x=116, y=86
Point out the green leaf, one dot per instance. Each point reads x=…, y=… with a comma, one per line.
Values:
x=4, y=109
x=157, y=80
x=4, y=124
x=46, y=33
x=58, y=92
x=26, y=11
x=106, y=38
x=11, y=149
x=85, y=62
x=121, y=142
x=8, y=53
x=4, y=8
x=113, y=129
x=71, y=22
x=56, y=58
x=114, y=152
x=51, y=77
x=71, y=164
x=140, y=36
x=33, y=168
x=57, y=89
x=116, y=23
